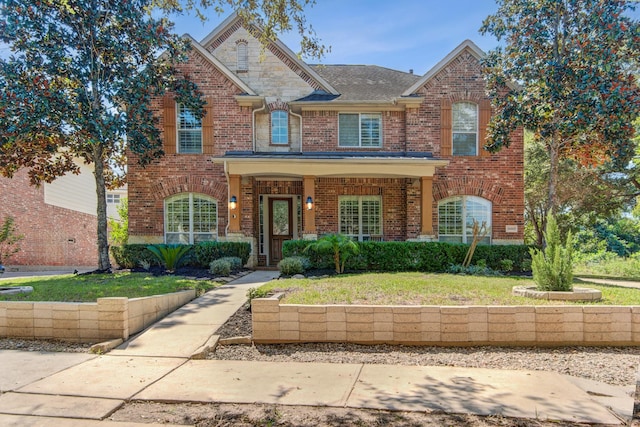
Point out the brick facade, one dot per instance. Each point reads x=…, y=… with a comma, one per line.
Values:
x=53, y=236
x=280, y=80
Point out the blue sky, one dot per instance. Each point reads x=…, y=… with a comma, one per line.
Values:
x=399, y=34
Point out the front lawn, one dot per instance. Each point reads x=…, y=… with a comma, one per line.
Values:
x=425, y=289
x=88, y=288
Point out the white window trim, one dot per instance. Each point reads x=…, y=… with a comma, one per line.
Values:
x=486, y=203
x=271, y=128
x=379, y=115
x=476, y=133
x=190, y=232
x=242, y=58
x=360, y=236
x=179, y=129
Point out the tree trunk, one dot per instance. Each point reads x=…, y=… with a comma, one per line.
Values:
x=554, y=159
x=104, y=264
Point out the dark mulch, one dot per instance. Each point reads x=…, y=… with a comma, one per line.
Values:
x=238, y=325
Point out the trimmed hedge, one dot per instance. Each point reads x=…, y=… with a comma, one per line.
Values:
x=206, y=252
x=413, y=256
x=201, y=255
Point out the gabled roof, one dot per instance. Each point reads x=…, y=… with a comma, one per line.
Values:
x=366, y=82
x=227, y=26
x=467, y=44
x=220, y=66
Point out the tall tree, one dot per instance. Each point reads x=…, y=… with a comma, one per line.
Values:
x=80, y=78
x=572, y=62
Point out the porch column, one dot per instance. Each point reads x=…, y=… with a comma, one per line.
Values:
x=309, y=221
x=234, y=214
x=426, y=205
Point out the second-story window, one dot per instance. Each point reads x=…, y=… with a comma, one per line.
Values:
x=465, y=129
x=189, y=132
x=279, y=127
x=360, y=130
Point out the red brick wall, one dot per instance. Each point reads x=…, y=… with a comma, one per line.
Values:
x=53, y=236
x=182, y=173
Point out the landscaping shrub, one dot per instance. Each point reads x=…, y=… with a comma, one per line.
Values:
x=473, y=270
x=221, y=267
x=340, y=247
x=414, y=256
x=552, y=267
x=132, y=256
x=170, y=256
x=206, y=252
x=294, y=265
x=506, y=265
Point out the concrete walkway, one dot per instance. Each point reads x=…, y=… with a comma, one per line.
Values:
x=69, y=390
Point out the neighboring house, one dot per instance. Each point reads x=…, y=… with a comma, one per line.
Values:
x=58, y=220
x=288, y=150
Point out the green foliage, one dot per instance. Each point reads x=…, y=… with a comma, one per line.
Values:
x=413, y=256
x=120, y=228
x=132, y=256
x=9, y=239
x=340, y=247
x=506, y=265
x=170, y=256
x=260, y=292
x=553, y=266
x=293, y=265
x=221, y=267
x=206, y=252
x=473, y=270
x=235, y=263
x=575, y=87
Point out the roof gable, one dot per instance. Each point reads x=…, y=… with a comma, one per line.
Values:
x=219, y=65
x=234, y=22
x=465, y=45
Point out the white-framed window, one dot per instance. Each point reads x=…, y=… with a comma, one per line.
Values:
x=464, y=129
x=359, y=130
x=242, y=56
x=279, y=127
x=190, y=218
x=189, y=131
x=360, y=217
x=456, y=215
x=113, y=198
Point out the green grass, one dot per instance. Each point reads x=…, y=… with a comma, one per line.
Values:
x=88, y=288
x=425, y=289
x=623, y=268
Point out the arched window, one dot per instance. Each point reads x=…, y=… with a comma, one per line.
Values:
x=279, y=127
x=190, y=218
x=465, y=129
x=242, y=58
x=456, y=215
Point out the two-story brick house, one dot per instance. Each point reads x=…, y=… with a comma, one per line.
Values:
x=289, y=151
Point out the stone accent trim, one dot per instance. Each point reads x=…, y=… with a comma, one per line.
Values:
x=107, y=318
x=448, y=325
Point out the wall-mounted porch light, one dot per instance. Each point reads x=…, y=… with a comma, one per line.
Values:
x=233, y=202
x=309, y=203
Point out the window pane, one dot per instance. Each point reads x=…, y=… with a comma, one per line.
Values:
x=279, y=127
x=190, y=218
x=456, y=215
x=371, y=217
x=464, y=144
x=243, y=56
x=450, y=218
x=349, y=216
x=348, y=130
x=204, y=215
x=177, y=215
x=280, y=220
x=189, y=131
x=370, y=130
x=465, y=117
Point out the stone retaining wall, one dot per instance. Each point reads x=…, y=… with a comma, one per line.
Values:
x=108, y=318
x=448, y=325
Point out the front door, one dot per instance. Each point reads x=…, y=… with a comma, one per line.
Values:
x=280, y=227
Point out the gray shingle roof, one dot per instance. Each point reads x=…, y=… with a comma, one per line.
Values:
x=366, y=82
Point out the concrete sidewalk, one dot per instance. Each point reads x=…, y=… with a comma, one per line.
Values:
x=81, y=390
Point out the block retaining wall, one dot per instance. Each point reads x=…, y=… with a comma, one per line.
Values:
x=107, y=318
x=448, y=325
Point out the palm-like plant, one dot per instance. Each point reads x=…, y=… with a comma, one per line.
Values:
x=340, y=246
x=170, y=256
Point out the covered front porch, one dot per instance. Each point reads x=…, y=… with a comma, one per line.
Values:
x=368, y=196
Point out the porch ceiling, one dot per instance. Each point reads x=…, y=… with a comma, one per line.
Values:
x=412, y=165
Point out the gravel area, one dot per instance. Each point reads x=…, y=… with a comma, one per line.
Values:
x=43, y=345
x=611, y=365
